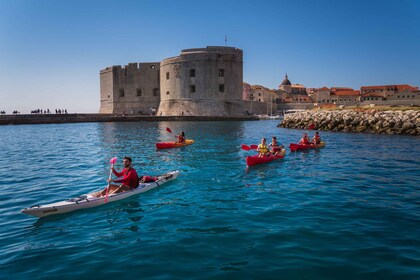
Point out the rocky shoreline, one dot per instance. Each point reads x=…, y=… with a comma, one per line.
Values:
x=368, y=121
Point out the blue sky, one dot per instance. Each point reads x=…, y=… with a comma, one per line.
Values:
x=51, y=52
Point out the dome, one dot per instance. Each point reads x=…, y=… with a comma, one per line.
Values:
x=286, y=82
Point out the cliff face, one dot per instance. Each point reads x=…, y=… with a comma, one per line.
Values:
x=371, y=121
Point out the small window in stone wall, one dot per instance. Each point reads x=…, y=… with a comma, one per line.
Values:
x=167, y=75
x=167, y=93
x=121, y=92
x=221, y=88
x=221, y=72
x=138, y=91
x=155, y=92
x=192, y=72
x=109, y=96
x=192, y=88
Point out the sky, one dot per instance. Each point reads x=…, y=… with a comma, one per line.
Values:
x=51, y=51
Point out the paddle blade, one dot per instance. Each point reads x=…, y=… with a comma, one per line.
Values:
x=311, y=126
x=168, y=130
x=253, y=147
x=245, y=147
x=113, y=160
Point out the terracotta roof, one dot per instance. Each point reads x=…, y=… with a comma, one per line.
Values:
x=406, y=87
x=324, y=88
x=298, y=86
x=391, y=87
x=341, y=88
x=346, y=93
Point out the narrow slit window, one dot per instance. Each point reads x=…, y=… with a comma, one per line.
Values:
x=221, y=88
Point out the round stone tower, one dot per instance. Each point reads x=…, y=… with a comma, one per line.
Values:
x=202, y=82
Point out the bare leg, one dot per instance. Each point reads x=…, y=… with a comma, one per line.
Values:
x=121, y=188
x=112, y=188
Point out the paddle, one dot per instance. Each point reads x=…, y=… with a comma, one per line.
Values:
x=168, y=130
x=112, y=162
x=249, y=148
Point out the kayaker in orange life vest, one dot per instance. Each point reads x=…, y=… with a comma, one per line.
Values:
x=263, y=149
x=275, y=147
x=305, y=140
x=181, y=137
x=316, y=139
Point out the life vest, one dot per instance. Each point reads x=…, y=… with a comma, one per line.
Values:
x=262, y=149
x=317, y=139
x=181, y=139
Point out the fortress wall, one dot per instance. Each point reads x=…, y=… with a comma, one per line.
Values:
x=130, y=89
x=106, y=91
x=216, y=82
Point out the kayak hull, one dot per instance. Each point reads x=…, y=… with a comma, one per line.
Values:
x=88, y=201
x=169, y=145
x=255, y=160
x=301, y=147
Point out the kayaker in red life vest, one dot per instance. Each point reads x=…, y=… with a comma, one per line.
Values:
x=181, y=137
x=263, y=149
x=305, y=140
x=316, y=139
x=275, y=147
x=129, y=181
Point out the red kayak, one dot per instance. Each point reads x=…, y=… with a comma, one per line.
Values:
x=254, y=160
x=300, y=147
x=168, y=145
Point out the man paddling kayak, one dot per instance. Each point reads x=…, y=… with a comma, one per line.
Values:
x=129, y=181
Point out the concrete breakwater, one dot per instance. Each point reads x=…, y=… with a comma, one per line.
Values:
x=369, y=121
x=79, y=118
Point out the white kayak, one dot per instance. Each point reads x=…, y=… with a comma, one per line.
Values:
x=89, y=201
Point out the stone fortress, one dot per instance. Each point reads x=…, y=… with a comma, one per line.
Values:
x=209, y=82
x=198, y=82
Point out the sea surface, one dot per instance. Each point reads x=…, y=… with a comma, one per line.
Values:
x=350, y=210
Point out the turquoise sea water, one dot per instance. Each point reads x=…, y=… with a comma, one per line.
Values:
x=348, y=211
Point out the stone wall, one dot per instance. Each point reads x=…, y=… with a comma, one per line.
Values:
x=369, y=121
x=133, y=88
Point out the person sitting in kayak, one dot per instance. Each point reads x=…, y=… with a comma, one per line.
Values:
x=305, y=140
x=316, y=139
x=275, y=147
x=263, y=149
x=129, y=181
x=181, y=137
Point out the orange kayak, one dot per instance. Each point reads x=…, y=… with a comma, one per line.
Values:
x=168, y=145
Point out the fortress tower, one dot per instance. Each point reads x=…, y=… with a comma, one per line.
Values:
x=202, y=82
x=130, y=89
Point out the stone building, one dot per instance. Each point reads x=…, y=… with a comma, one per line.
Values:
x=202, y=82
x=198, y=82
x=131, y=89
